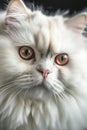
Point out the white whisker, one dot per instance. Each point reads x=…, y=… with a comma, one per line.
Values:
x=57, y=85
x=10, y=100
x=57, y=88
x=7, y=87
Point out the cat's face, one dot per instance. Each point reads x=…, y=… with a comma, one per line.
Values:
x=43, y=57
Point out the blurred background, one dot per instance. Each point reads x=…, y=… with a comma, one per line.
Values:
x=53, y=5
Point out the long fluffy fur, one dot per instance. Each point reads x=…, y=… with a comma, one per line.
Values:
x=24, y=103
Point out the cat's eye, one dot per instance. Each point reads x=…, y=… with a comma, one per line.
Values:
x=62, y=59
x=26, y=53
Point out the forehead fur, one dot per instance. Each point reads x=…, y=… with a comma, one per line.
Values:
x=37, y=29
x=43, y=33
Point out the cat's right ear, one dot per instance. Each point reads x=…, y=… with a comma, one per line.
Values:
x=77, y=23
x=16, y=11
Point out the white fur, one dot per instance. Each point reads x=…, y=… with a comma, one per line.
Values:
x=63, y=105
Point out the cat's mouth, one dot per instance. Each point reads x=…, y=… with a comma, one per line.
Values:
x=41, y=85
x=37, y=92
x=37, y=85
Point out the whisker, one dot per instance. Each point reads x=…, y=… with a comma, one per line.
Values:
x=60, y=96
x=14, y=96
x=15, y=81
x=56, y=81
x=57, y=88
x=10, y=86
x=17, y=78
x=23, y=82
x=10, y=100
x=35, y=83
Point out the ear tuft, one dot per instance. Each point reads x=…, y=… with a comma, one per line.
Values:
x=16, y=6
x=16, y=11
x=78, y=22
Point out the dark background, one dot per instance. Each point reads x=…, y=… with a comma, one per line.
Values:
x=54, y=5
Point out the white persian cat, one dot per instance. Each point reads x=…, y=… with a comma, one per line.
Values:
x=43, y=70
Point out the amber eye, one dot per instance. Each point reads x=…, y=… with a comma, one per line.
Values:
x=62, y=59
x=26, y=53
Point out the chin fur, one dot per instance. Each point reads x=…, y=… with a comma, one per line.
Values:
x=67, y=112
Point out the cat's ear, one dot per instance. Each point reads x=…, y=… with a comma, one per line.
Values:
x=16, y=11
x=77, y=23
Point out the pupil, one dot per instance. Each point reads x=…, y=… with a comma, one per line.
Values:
x=62, y=58
x=26, y=52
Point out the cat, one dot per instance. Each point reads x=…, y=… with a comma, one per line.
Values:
x=43, y=70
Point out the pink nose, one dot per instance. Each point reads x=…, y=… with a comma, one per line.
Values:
x=44, y=72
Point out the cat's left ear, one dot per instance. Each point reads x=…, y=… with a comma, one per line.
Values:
x=16, y=11
x=77, y=23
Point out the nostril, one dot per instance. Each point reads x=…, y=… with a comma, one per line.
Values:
x=44, y=72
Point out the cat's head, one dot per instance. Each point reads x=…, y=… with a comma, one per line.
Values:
x=41, y=55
